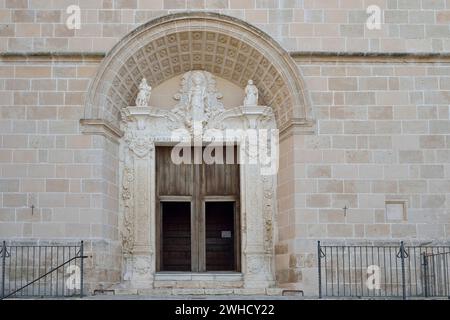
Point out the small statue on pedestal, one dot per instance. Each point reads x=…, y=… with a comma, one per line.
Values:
x=251, y=94
x=144, y=94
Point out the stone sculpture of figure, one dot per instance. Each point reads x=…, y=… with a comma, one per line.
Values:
x=144, y=94
x=251, y=94
x=197, y=95
x=198, y=100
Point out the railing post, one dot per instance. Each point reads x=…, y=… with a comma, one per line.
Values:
x=81, y=268
x=3, y=267
x=425, y=274
x=319, y=265
x=402, y=256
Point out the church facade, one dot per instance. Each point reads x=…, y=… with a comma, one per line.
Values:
x=207, y=146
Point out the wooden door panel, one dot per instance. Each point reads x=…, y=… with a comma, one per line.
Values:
x=176, y=236
x=219, y=233
x=221, y=179
x=172, y=179
x=193, y=241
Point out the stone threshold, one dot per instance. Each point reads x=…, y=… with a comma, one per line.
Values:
x=198, y=280
x=198, y=276
x=197, y=291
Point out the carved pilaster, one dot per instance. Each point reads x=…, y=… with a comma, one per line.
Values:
x=257, y=271
x=128, y=222
x=258, y=192
x=136, y=230
x=268, y=203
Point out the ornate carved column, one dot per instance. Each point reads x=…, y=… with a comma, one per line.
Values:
x=257, y=203
x=138, y=197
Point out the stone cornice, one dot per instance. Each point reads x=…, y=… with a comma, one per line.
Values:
x=298, y=55
x=370, y=56
x=297, y=126
x=52, y=55
x=100, y=127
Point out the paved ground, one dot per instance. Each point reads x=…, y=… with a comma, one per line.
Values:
x=191, y=297
x=231, y=297
x=177, y=297
x=210, y=297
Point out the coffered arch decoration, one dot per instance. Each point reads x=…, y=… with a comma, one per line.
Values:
x=174, y=44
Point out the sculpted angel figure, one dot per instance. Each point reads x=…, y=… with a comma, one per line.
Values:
x=144, y=94
x=251, y=94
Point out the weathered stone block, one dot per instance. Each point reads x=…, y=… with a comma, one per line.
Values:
x=319, y=171
x=339, y=230
x=318, y=201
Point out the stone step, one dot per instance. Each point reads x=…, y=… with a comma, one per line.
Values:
x=199, y=291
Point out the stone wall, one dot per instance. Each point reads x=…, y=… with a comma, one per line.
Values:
x=383, y=133
x=286, y=212
x=325, y=25
x=382, y=125
x=46, y=162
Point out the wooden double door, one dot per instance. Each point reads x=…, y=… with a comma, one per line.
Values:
x=198, y=221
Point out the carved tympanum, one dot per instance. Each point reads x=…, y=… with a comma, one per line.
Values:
x=198, y=99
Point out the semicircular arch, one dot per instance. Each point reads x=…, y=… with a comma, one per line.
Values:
x=171, y=45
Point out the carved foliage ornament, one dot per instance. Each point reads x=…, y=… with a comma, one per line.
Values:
x=127, y=231
x=268, y=212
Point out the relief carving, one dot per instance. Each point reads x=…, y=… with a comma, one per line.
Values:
x=268, y=183
x=139, y=142
x=198, y=99
x=141, y=266
x=255, y=264
x=268, y=214
x=127, y=231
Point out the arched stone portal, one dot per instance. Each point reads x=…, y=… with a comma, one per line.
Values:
x=167, y=47
x=196, y=122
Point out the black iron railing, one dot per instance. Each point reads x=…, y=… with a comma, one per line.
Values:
x=383, y=271
x=436, y=274
x=41, y=270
